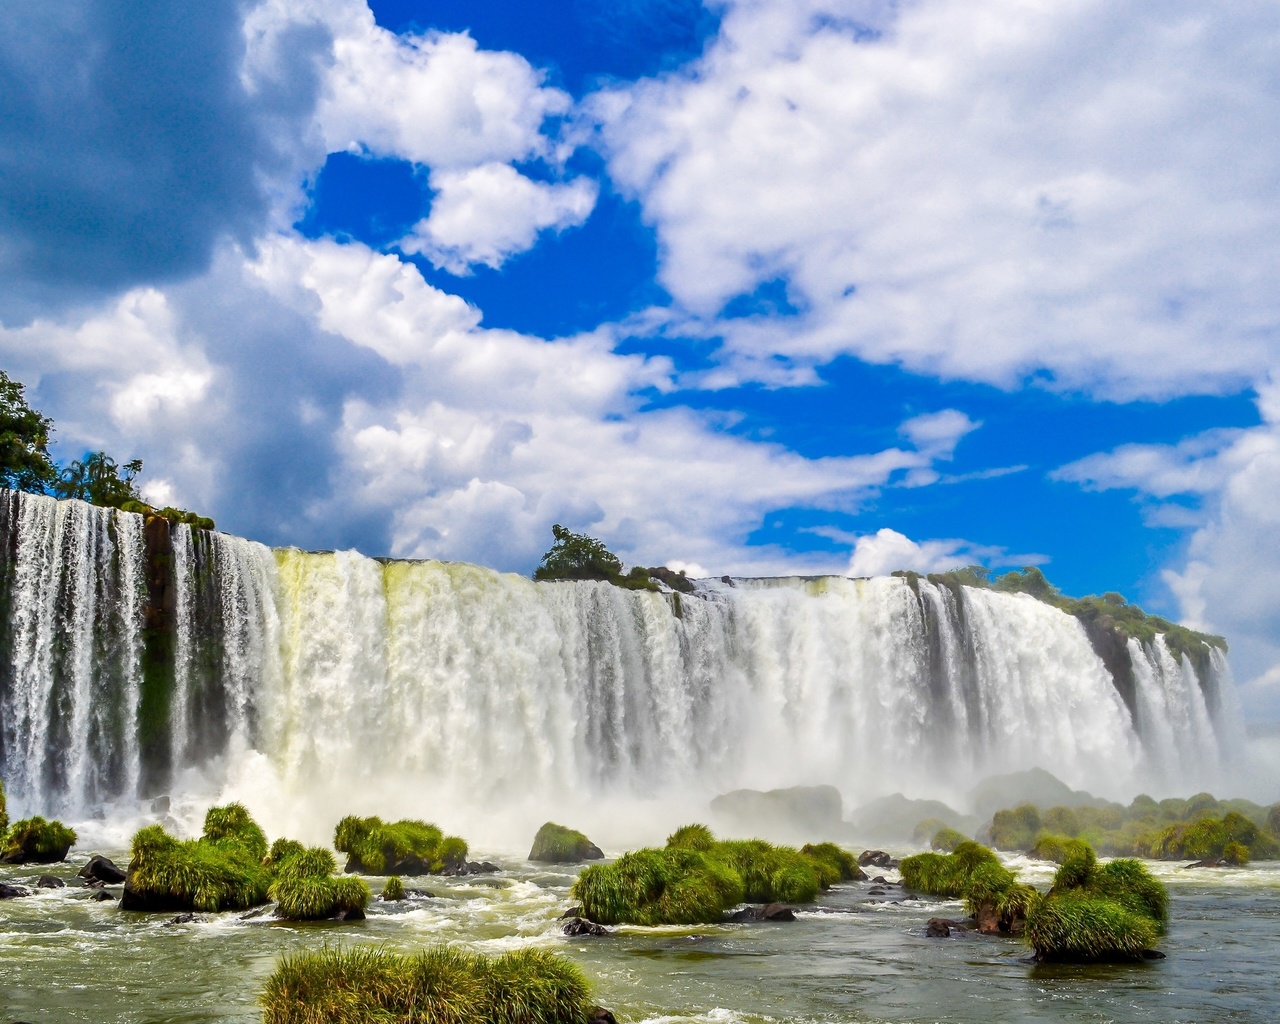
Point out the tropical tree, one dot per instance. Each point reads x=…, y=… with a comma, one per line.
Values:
x=98, y=480
x=575, y=556
x=25, y=464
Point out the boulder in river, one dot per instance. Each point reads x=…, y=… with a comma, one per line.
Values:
x=100, y=869
x=581, y=926
x=768, y=912
x=556, y=844
x=37, y=841
x=50, y=882
x=12, y=892
x=876, y=858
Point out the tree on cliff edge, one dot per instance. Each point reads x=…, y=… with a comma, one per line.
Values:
x=575, y=556
x=25, y=464
x=98, y=480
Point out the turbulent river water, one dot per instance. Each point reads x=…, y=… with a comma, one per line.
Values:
x=852, y=957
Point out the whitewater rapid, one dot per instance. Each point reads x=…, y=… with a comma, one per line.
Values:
x=323, y=681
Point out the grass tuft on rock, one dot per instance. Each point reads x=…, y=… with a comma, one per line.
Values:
x=305, y=889
x=36, y=841
x=692, y=837
x=198, y=874
x=393, y=891
x=4, y=815
x=231, y=823
x=945, y=874
x=832, y=864
x=438, y=986
x=405, y=847
x=945, y=840
x=556, y=844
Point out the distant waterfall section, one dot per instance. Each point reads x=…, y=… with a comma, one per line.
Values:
x=133, y=652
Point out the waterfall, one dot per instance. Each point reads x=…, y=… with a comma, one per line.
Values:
x=136, y=656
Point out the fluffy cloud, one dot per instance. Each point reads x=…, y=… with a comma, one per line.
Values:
x=1225, y=485
x=886, y=551
x=992, y=192
x=487, y=213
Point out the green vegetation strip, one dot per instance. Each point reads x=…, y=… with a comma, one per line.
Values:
x=438, y=986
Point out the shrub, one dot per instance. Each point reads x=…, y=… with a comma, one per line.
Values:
x=832, y=864
x=440, y=986
x=231, y=823
x=947, y=839
x=37, y=841
x=393, y=891
x=4, y=815
x=1129, y=882
x=199, y=874
x=945, y=874
x=406, y=847
x=1076, y=925
x=1050, y=846
x=674, y=885
x=1236, y=854
x=1015, y=829
x=305, y=889
x=693, y=837
x=1063, y=821
x=555, y=844
x=926, y=830
x=1079, y=863
x=769, y=873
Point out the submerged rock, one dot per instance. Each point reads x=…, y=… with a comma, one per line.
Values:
x=102, y=896
x=599, y=1015
x=12, y=892
x=100, y=869
x=942, y=927
x=768, y=912
x=190, y=918
x=50, y=882
x=350, y=914
x=1208, y=862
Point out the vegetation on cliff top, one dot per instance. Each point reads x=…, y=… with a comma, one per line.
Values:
x=442, y=985
x=27, y=465
x=1110, y=611
x=575, y=556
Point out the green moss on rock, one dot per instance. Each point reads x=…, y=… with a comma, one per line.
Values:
x=556, y=844
x=305, y=889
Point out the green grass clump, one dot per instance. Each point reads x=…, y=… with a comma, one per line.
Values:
x=1098, y=912
x=282, y=849
x=947, y=839
x=1015, y=829
x=555, y=844
x=945, y=874
x=832, y=864
x=438, y=986
x=659, y=886
x=201, y=874
x=994, y=888
x=1236, y=854
x=36, y=840
x=305, y=889
x=1050, y=846
x=231, y=824
x=4, y=814
x=1077, y=925
x=770, y=874
x=375, y=845
x=393, y=891
x=693, y=837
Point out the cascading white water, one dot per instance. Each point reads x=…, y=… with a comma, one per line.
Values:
x=345, y=678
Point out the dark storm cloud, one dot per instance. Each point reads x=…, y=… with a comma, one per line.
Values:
x=128, y=143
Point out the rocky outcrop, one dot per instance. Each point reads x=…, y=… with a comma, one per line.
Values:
x=876, y=858
x=581, y=926
x=556, y=844
x=100, y=869
x=768, y=912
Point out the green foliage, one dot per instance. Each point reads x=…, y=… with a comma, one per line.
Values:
x=4, y=814
x=375, y=845
x=305, y=889
x=1015, y=829
x=231, y=824
x=281, y=849
x=945, y=874
x=1077, y=925
x=693, y=837
x=393, y=891
x=1079, y=862
x=1236, y=854
x=947, y=839
x=1273, y=820
x=832, y=864
x=926, y=830
x=1049, y=846
x=575, y=556
x=207, y=875
x=995, y=886
x=1062, y=820
x=438, y=986
x=25, y=463
x=35, y=839
x=98, y=480
x=1129, y=882
x=695, y=878
x=555, y=844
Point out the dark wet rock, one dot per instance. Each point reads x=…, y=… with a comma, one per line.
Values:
x=256, y=912
x=581, y=926
x=599, y=1015
x=50, y=882
x=150, y=902
x=880, y=880
x=102, y=896
x=1153, y=954
x=100, y=869
x=768, y=912
x=937, y=928
x=95, y=884
x=877, y=891
x=187, y=918
x=571, y=912
x=12, y=892
x=556, y=844
x=160, y=805
x=422, y=894
x=354, y=914
x=1208, y=862
x=876, y=858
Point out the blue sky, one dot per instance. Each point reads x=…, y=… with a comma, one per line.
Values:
x=754, y=286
